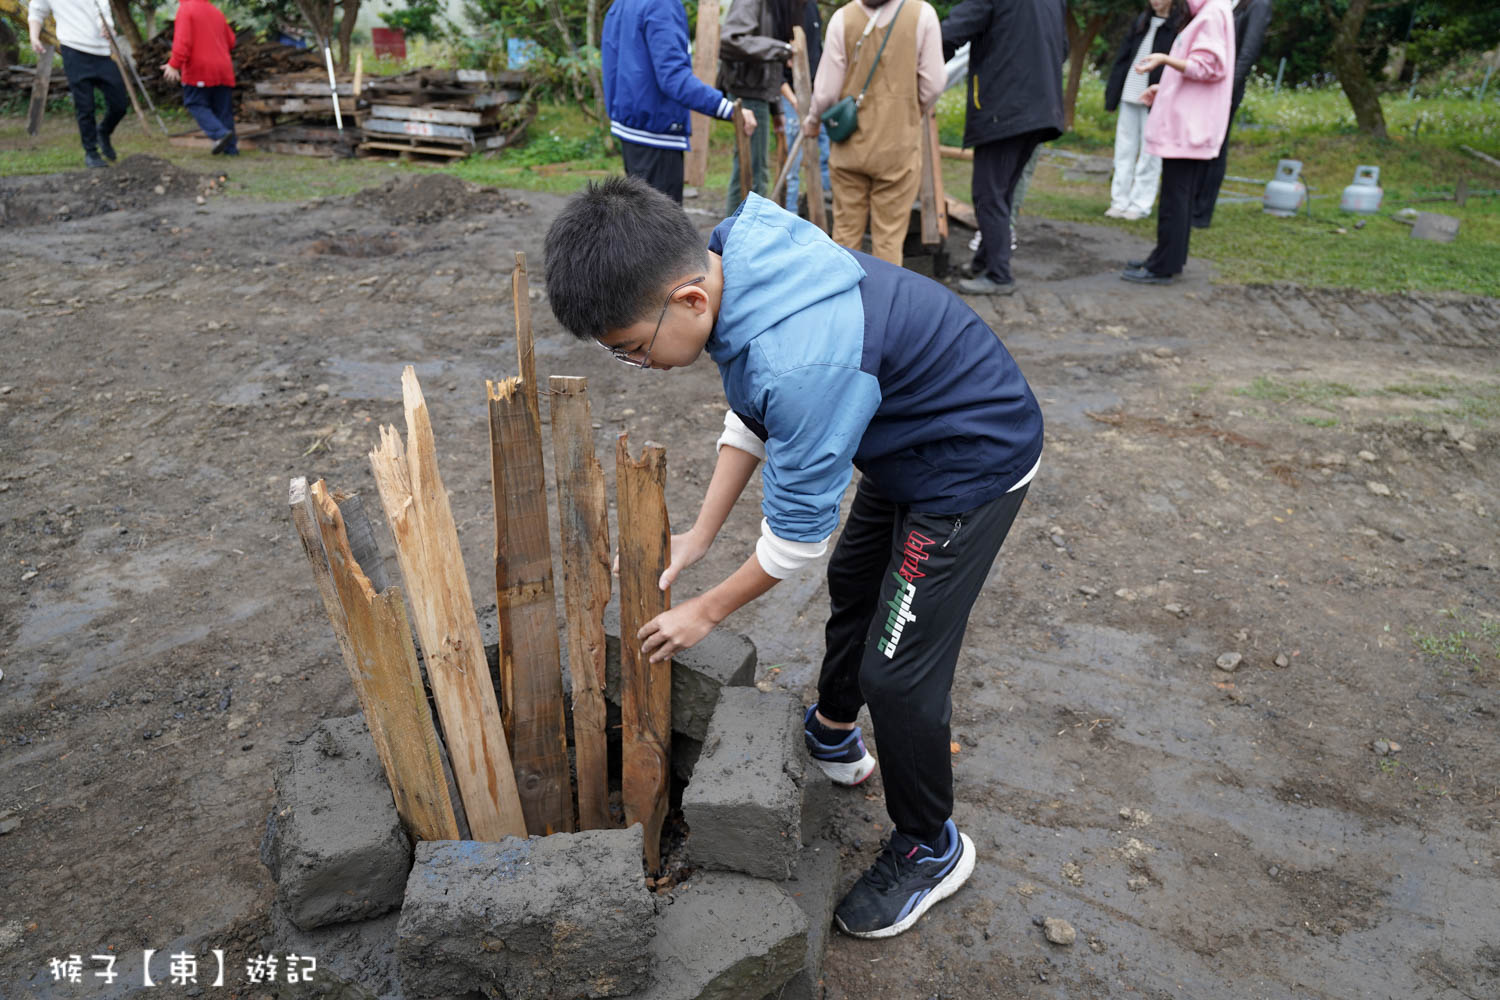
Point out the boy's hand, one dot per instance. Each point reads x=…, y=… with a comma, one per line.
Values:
x=687, y=549
x=676, y=629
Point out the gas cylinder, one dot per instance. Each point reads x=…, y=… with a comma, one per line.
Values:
x=1285, y=191
x=1364, y=194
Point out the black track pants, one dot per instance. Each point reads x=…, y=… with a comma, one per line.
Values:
x=900, y=586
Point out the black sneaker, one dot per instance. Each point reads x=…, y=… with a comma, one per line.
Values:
x=846, y=762
x=92, y=159
x=107, y=148
x=904, y=883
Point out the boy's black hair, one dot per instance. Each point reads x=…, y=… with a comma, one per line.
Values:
x=611, y=253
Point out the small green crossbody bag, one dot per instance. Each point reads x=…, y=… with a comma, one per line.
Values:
x=841, y=120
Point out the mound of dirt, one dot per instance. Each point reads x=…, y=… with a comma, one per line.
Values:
x=435, y=197
x=138, y=181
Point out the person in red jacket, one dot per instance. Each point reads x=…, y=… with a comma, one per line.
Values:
x=201, y=40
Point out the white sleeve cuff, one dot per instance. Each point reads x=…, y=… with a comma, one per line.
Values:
x=781, y=558
x=740, y=436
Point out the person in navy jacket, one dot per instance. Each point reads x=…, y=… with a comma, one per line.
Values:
x=832, y=360
x=650, y=90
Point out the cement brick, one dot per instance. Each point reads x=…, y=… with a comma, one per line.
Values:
x=561, y=916
x=814, y=886
x=744, y=806
x=334, y=843
x=356, y=960
x=726, y=937
x=722, y=660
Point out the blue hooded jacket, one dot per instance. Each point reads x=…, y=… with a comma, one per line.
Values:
x=649, y=86
x=838, y=360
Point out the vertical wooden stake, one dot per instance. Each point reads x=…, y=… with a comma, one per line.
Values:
x=812, y=168
x=583, y=523
x=645, y=687
x=531, y=693
x=742, y=149
x=705, y=64
x=416, y=504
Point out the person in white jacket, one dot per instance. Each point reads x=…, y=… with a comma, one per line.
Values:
x=85, y=54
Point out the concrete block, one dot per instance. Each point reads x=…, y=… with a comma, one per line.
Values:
x=814, y=886
x=744, y=806
x=356, y=960
x=723, y=659
x=561, y=916
x=726, y=937
x=334, y=843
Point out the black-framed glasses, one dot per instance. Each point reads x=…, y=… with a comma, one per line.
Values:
x=623, y=356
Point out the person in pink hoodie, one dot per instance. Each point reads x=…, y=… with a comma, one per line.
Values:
x=1189, y=119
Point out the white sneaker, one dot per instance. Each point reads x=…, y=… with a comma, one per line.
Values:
x=1114, y=213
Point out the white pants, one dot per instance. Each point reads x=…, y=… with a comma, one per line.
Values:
x=1137, y=172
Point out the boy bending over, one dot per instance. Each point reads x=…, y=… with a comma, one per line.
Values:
x=831, y=360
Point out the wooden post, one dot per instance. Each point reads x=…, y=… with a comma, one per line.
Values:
x=705, y=63
x=645, y=687
x=411, y=490
x=812, y=169
x=375, y=639
x=583, y=524
x=531, y=696
x=742, y=149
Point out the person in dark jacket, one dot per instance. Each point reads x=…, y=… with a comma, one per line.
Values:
x=751, y=62
x=1250, y=20
x=1132, y=191
x=649, y=90
x=1014, y=100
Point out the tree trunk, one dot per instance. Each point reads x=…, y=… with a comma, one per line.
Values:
x=1349, y=65
x=125, y=24
x=1080, y=38
x=346, y=32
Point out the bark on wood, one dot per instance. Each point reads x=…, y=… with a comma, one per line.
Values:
x=812, y=169
x=376, y=641
x=742, y=148
x=645, y=687
x=583, y=525
x=416, y=505
x=531, y=695
x=705, y=68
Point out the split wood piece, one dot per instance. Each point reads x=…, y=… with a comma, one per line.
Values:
x=583, y=523
x=39, y=88
x=742, y=148
x=416, y=505
x=934, y=211
x=812, y=168
x=705, y=65
x=531, y=695
x=645, y=687
x=376, y=641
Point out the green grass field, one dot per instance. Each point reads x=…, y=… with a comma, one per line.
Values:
x=1420, y=165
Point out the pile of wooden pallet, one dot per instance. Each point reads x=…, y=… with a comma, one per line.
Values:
x=444, y=113
x=505, y=734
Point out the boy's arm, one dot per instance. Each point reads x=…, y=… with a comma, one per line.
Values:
x=667, y=38
x=742, y=39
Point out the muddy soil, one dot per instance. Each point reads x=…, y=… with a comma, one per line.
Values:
x=1208, y=833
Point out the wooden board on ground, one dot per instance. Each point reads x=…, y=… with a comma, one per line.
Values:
x=705, y=65
x=375, y=639
x=416, y=506
x=812, y=168
x=583, y=526
x=645, y=687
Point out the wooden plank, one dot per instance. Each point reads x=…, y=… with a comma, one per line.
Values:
x=583, y=525
x=531, y=695
x=389, y=682
x=436, y=115
x=742, y=149
x=432, y=564
x=39, y=88
x=645, y=687
x=705, y=67
x=812, y=170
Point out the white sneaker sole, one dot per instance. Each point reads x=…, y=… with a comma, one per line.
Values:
x=946, y=888
x=848, y=775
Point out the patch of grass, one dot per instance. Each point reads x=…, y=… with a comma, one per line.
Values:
x=1309, y=392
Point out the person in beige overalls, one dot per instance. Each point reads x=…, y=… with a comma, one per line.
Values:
x=877, y=171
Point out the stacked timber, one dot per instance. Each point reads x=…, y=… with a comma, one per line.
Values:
x=444, y=113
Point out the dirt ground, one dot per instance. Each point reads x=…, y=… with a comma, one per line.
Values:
x=1209, y=833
